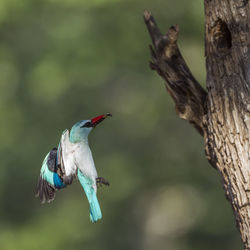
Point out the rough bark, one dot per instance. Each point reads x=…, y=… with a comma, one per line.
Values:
x=222, y=114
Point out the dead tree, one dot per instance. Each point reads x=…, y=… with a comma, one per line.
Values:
x=221, y=113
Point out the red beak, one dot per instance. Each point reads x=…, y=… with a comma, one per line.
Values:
x=98, y=119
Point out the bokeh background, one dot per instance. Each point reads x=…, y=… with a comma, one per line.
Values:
x=66, y=60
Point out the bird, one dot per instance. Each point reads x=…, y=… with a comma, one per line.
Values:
x=70, y=160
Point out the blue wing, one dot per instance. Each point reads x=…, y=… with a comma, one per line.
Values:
x=49, y=181
x=95, y=210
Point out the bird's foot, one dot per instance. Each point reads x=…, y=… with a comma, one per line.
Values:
x=100, y=181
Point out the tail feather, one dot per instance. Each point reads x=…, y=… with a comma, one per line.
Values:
x=95, y=210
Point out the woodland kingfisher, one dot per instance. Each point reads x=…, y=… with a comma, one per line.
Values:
x=72, y=159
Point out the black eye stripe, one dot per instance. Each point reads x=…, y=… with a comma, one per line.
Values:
x=87, y=125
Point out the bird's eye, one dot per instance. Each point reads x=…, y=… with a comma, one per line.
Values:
x=87, y=124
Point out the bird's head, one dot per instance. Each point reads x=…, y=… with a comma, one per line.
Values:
x=80, y=130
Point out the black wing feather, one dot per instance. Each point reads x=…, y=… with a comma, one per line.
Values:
x=45, y=191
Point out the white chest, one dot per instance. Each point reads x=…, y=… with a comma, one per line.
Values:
x=84, y=160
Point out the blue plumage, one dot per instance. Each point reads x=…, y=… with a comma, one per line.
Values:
x=95, y=210
x=58, y=183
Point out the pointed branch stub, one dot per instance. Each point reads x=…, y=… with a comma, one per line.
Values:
x=167, y=60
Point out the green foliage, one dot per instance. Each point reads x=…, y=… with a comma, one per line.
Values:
x=62, y=61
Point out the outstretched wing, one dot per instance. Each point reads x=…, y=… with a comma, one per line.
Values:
x=48, y=181
x=66, y=158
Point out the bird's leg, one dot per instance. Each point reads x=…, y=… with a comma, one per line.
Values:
x=100, y=181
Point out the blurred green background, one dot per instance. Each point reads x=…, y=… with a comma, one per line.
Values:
x=66, y=60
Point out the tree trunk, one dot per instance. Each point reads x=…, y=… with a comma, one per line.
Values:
x=221, y=114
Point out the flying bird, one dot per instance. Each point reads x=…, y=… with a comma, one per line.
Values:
x=72, y=159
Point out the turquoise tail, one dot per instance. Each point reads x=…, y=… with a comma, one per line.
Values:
x=95, y=210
